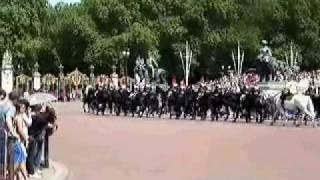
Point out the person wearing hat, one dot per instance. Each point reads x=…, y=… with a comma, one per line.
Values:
x=289, y=90
x=265, y=52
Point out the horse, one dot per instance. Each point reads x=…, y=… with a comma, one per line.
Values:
x=215, y=104
x=297, y=104
x=162, y=101
x=231, y=100
x=101, y=100
x=117, y=100
x=180, y=102
x=152, y=102
x=171, y=100
x=88, y=99
x=254, y=101
x=125, y=100
x=190, y=103
x=202, y=98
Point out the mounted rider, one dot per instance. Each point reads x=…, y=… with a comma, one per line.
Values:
x=264, y=60
x=265, y=54
x=289, y=91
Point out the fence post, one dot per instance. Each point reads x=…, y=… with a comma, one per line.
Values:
x=46, y=151
x=3, y=153
x=11, y=142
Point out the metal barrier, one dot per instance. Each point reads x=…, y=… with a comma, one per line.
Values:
x=46, y=151
x=6, y=156
x=3, y=154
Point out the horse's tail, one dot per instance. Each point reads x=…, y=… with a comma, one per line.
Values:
x=311, y=107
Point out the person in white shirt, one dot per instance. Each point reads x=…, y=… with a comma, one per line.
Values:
x=20, y=120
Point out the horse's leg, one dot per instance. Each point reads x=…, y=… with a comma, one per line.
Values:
x=247, y=115
x=84, y=107
x=305, y=119
x=213, y=113
x=133, y=109
x=227, y=113
x=308, y=111
x=147, y=111
x=286, y=120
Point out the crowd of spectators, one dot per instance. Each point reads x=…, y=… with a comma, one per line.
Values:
x=28, y=126
x=250, y=79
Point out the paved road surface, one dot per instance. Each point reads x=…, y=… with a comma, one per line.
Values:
x=119, y=148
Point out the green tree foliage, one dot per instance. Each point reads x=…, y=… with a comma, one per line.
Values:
x=21, y=29
x=97, y=31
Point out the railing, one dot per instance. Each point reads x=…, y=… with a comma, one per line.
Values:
x=6, y=156
x=46, y=150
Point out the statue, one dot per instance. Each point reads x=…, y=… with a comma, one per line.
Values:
x=148, y=72
x=149, y=69
x=264, y=62
x=139, y=70
x=158, y=74
x=265, y=52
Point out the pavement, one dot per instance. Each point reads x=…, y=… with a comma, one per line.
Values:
x=56, y=171
x=125, y=148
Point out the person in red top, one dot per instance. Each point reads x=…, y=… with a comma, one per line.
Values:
x=251, y=80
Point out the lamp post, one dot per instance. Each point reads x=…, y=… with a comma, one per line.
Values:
x=126, y=54
x=222, y=70
x=61, y=67
x=230, y=71
x=61, y=84
x=91, y=74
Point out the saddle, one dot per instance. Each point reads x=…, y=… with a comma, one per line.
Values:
x=289, y=97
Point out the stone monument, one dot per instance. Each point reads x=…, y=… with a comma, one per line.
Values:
x=115, y=77
x=36, y=78
x=139, y=71
x=264, y=60
x=7, y=72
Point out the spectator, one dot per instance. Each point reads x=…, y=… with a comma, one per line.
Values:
x=40, y=122
x=20, y=152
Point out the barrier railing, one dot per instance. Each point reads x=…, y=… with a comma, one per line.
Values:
x=6, y=156
x=3, y=154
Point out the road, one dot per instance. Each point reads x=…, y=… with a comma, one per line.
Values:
x=123, y=148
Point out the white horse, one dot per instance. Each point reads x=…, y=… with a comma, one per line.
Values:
x=299, y=103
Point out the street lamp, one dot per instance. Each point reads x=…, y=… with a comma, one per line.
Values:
x=222, y=70
x=61, y=67
x=91, y=69
x=126, y=54
x=61, y=84
x=91, y=73
x=36, y=67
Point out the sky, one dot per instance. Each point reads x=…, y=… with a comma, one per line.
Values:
x=54, y=2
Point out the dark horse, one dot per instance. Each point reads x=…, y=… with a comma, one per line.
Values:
x=264, y=69
x=215, y=104
x=88, y=99
x=253, y=101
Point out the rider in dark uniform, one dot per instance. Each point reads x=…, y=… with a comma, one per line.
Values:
x=285, y=93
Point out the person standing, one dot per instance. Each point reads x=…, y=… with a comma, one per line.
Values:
x=20, y=151
x=7, y=116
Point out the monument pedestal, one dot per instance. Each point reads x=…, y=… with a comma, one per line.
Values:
x=115, y=77
x=272, y=85
x=36, y=81
x=7, y=73
x=295, y=87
